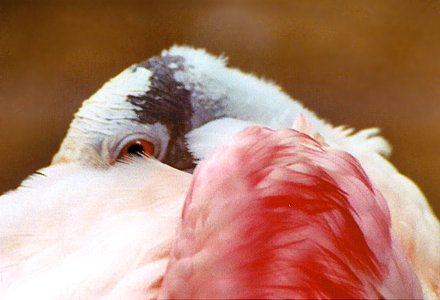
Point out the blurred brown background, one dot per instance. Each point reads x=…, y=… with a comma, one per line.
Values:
x=362, y=63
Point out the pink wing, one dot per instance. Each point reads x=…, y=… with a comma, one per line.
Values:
x=275, y=214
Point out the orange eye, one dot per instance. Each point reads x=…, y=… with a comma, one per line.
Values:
x=137, y=147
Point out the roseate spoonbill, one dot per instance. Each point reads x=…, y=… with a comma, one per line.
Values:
x=167, y=106
x=277, y=215
x=160, y=102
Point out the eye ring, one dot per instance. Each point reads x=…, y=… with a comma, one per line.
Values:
x=134, y=147
x=137, y=147
x=155, y=135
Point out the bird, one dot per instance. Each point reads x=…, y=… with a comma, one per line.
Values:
x=277, y=214
x=109, y=236
x=180, y=106
x=162, y=103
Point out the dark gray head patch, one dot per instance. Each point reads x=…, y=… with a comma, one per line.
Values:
x=168, y=102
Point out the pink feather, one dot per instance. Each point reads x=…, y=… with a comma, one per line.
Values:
x=275, y=214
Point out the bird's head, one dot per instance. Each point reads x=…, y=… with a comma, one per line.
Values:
x=151, y=107
x=144, y=109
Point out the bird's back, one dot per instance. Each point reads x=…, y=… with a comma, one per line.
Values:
x=277, y=215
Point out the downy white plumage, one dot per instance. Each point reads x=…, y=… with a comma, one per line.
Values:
x=84, y=233
x=187, y=103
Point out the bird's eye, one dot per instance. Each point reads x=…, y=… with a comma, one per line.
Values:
x=136, y=147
